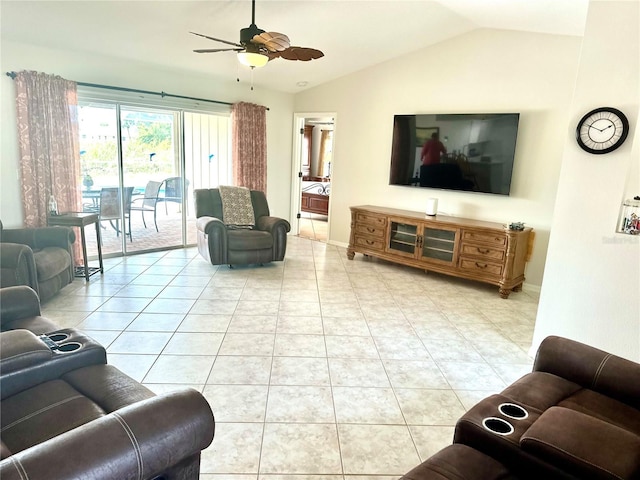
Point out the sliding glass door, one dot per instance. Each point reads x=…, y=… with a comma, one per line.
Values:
x=140, y=166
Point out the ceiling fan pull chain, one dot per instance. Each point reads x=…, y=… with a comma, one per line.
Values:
x=252, y=69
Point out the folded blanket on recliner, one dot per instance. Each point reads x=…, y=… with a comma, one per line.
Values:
x=237, y=209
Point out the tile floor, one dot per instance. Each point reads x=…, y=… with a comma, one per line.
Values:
x=316, y=368
x=313, y=226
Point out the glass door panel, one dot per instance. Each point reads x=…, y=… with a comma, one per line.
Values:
x=439, y=244
x=98, y=132
x=151, y=171
x=403, y=238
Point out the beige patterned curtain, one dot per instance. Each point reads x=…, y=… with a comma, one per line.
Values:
x=249, y=127
x=47, y=117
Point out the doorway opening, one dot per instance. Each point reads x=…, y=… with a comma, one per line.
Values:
x=312, y=173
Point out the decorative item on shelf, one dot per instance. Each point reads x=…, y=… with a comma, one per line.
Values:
x=87, y=181
x=432, y=207
x=53, y=206
x=518, y=226
x=630, y=216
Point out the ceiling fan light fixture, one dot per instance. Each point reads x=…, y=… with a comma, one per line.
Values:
x=251, y=59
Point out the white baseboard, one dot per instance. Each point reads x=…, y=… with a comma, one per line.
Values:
x=337, y=244
x=527, y=287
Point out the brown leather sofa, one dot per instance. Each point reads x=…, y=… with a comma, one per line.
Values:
x=66, y=414
x=220, y=245
x=576, y=416
x=41, y=258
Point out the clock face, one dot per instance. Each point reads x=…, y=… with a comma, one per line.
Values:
x=602, y=130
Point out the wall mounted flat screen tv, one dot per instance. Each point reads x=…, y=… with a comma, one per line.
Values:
x=469, y=152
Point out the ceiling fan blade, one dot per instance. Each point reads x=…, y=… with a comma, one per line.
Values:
x=217, y=39
x=213, y=50
x=303, y=54
x=273, y=41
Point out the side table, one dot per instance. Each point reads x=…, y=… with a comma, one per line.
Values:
x=80, y=219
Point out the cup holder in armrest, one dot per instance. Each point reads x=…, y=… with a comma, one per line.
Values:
x=58, y=337
x=514, y=411
x=68, y=347
x=497, y=426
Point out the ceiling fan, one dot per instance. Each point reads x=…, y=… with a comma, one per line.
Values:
x=257, y=47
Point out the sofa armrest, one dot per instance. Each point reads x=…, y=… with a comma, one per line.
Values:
x=39, y=238
x=584, y=446
x=18, y=265
x=142, y=440
x=212, y=239
x=58, y=364
x=591, y=368
x=18, y=302
x=272, y=224
x=209, y=224
x=278, y=228
x=21, y=349
x=459, y=461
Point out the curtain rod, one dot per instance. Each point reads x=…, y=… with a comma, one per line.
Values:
x=134, y=90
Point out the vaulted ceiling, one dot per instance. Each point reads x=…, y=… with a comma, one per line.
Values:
x=352, y=34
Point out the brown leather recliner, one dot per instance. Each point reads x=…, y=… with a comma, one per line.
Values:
x=266, y=242
x=41, y=258
x=575, y=416
x=65, y=414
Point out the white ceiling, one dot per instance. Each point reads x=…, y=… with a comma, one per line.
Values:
x=352, y=34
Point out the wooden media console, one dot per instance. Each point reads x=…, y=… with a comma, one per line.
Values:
x=484, y=251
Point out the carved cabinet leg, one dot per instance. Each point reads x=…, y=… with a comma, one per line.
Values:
x=517, y=288
x=350, y=254
x=504, y=292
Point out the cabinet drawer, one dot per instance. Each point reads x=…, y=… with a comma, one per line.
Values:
x=480, y=267
x=479, y=251
x=371, y=219
x=370, y=230
x=495, y=239
x=369, y=242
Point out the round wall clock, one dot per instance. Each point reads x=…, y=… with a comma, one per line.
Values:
x=602, y=130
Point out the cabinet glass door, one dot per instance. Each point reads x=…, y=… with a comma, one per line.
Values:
x=403, y=238
x=438, y=244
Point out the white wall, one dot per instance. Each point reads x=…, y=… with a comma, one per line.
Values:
x=123, y=73
x=591, y=288
x=482, y=71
